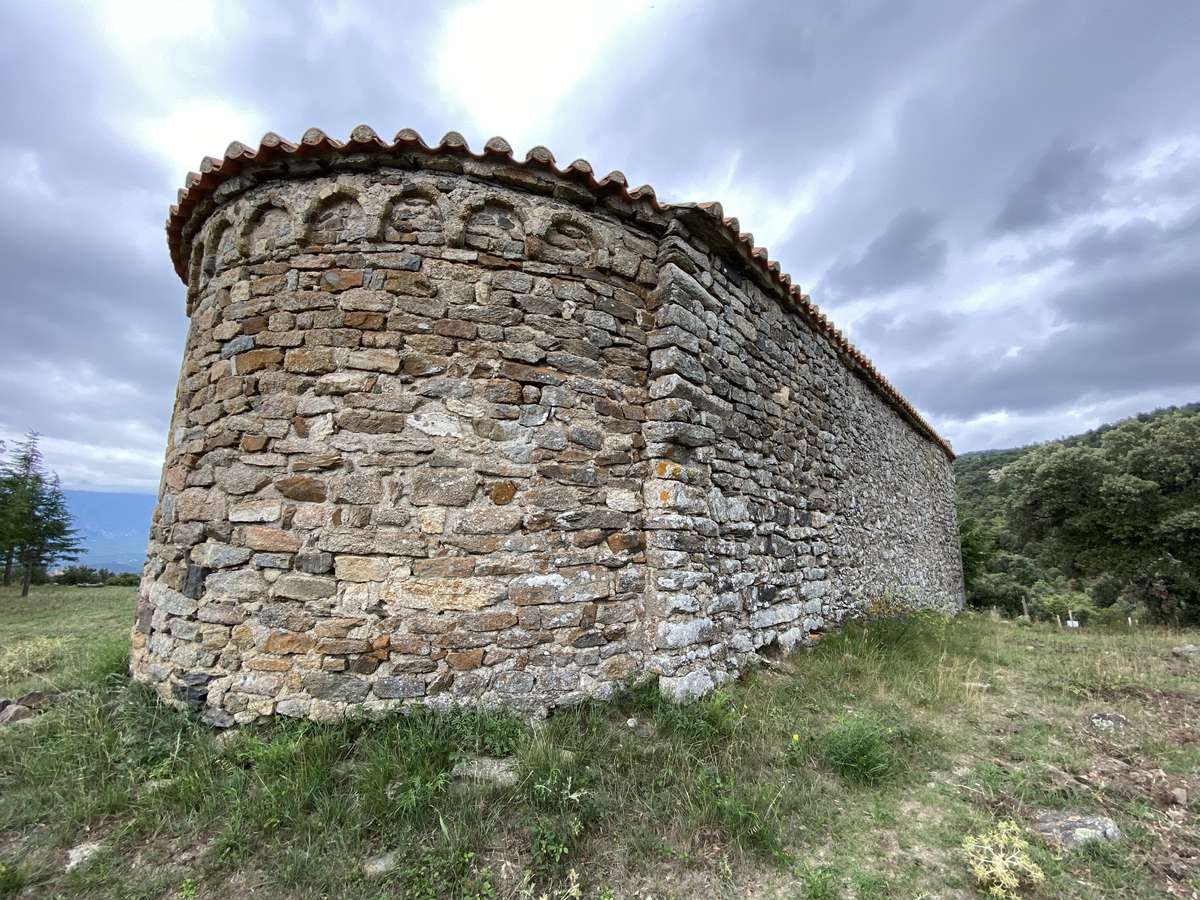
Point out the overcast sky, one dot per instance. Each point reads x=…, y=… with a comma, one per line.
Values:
x=999, y=202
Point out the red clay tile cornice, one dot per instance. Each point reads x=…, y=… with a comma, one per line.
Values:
x=239, y=158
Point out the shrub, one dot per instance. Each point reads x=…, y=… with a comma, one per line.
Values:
x=90, y=576
x=12, y=880
x=820, y=882
x=745, y=813
x=561, y=792
x=976, y=547
x=1106, y=590
x=1000, y=861
x=1052, y=599
x=708, y=721
x=81, y=575
x=862, y=748
x=1115, y=616
x=76, y=575
x=998, y=589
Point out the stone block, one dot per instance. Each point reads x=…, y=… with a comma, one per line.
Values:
x=256, y=360
x=398, y=688
x=255, y=511
x=262, y=537
x=361, y=568
x=302, y=487
x=287, y=642
x=488, y=520
x=344, y=688
x=443, y=487
x=309, y=361
x=300, y=586
x=442, y=593
x=215, y=555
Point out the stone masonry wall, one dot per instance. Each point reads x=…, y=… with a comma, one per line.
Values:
x=784, y=496
x=445, y=436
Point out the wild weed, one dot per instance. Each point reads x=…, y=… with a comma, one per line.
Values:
x=863, y=748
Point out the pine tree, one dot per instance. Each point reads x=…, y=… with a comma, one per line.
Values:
x=17, y=477
x=53, y=538
x=35, y=525
x=7, y=517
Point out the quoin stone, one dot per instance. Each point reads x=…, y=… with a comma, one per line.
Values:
x=455, y=428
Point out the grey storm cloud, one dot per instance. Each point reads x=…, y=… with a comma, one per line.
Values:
x=909, y=251
x=1132, y=334
x=1139, y=238
x=1066, y=180
x=914, y=333
x=1000, y=202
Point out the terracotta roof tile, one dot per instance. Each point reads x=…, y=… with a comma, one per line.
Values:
x=200, y=185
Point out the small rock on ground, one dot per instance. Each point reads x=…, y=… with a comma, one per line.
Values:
x=1187, y=651
x=1071, y=830
x=641, y=729
x=14, y=713
x=378, y=866
x=1108, y=721
x=38, y=699
x=485, y=769
x=81, y=853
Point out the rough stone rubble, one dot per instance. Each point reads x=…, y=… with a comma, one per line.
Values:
x=446, y=433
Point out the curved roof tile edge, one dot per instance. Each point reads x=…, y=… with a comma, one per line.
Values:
x=213, y=172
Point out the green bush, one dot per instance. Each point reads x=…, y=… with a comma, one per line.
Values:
x=1115, y=616
x=12, y=880
x=1105, y=591
x=86, y=575
x=1001, y=590
x=1057, y=598
x=863, y=747
x=744, y=812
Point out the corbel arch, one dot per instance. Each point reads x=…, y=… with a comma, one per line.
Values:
x=490, y=223
x=336, y=216
x=565, y=236
x=271, y=224
x=220, y=245
x=414, y=211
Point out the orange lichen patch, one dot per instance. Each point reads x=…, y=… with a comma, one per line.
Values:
x=502, y=492
x=316, y=145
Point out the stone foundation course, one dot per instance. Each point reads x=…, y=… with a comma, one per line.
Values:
x=457, y=429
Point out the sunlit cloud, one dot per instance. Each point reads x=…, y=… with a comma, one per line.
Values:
x=507, y=68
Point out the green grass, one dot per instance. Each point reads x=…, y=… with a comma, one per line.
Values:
x=851, y=771
x=864, y=748
x=56, y=636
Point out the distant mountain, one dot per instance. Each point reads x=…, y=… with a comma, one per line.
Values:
x=113, y=528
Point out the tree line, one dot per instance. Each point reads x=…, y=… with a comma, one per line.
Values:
x=1105, y=525
x=35, y=526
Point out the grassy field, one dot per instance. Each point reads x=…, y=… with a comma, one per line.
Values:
x=57, y=634
x=852, y=771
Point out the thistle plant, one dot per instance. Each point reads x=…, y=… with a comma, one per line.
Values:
x=1000, y=861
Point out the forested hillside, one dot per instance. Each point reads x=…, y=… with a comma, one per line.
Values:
x=1104, y=524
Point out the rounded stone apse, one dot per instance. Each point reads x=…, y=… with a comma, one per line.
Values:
x=457, y=429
